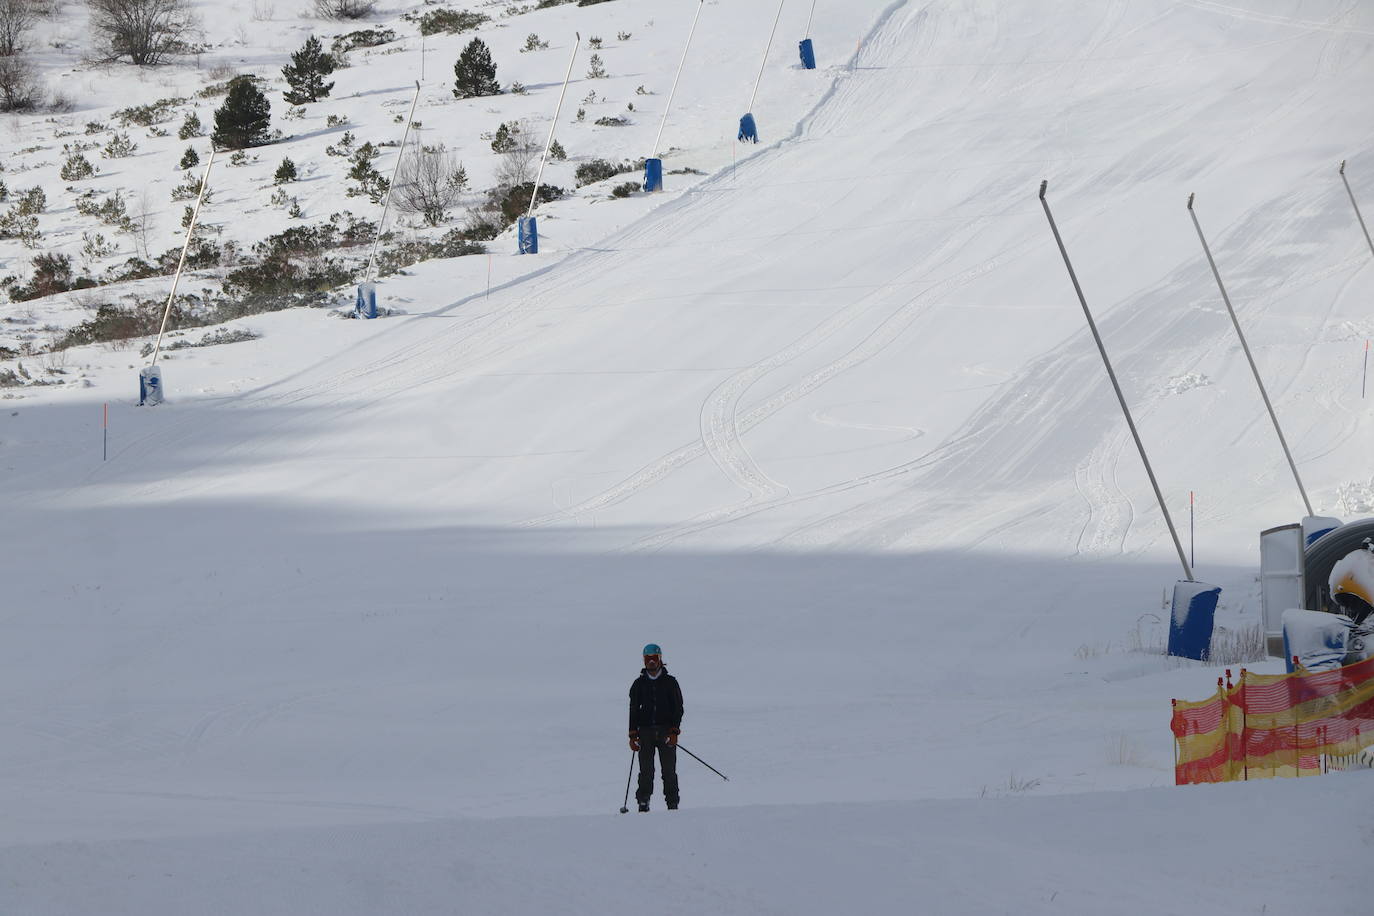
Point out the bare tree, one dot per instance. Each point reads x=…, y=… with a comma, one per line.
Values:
x=16, y=18
x=344, y=9
x=145, y=31
x=19, y=86
x=430, y=182
x=518, y=156
x=141, y=224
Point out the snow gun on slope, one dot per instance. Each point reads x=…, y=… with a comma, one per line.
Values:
x=1195, y=603
x=1331, y=624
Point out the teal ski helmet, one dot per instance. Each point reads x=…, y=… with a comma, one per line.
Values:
x=652, y=649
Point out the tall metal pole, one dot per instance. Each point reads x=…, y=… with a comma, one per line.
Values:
x=386, y=204
x=807, y=33
x=548, y=144
x=671, y=92
x=1246, y=347
x=1357, y=208
x=766, y=49
x=1192, y=557
x=1121, y=399
x=181, y=263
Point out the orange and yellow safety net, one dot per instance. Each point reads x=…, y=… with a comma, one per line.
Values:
x=1268, y=725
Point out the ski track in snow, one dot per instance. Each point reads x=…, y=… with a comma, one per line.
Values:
x=874, y=343
x=722, y=408
x=1247, y=15
x=823, y=417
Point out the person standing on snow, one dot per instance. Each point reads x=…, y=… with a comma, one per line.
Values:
x=655, y=721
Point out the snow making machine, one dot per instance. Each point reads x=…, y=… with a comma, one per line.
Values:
x=1317, y=591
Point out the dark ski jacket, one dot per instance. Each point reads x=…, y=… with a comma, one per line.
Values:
x=655, y=701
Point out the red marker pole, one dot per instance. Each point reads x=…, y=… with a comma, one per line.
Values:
x=488, y=276
x=1244, y=733
x=105, y=433
x=1174, y=706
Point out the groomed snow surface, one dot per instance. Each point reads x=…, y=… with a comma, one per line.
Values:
x=1146, y=851
x=346, y=626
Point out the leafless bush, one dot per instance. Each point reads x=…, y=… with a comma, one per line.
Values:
x=1123, y=751
x=16, y=18
x=1014, y=785
x=430, y=183
x=1238, y=645
x=344, y=9
x=19, y=87
x=140, y=223
x=483, y=223
x=145, y=31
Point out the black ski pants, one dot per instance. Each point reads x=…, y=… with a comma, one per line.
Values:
x=653, y=739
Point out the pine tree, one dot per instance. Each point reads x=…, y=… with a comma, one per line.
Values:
x=371, y=184
x=306, y=72
x=475, y=73
x=189, y=159
x=243, y=119
x=190, y=127
x=507, y=138
x=285, y=172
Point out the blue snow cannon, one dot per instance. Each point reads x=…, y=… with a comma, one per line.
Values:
x=748, y=130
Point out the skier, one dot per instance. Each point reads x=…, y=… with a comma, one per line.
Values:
x=655, y=720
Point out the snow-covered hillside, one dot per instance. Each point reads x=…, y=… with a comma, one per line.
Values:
x=346, y=625
x=146, y=190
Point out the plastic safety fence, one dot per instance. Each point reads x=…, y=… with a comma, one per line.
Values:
x=1267, y=725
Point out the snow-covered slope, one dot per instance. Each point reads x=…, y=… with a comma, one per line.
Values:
x=1126, y=853
x=826, y=424
x=638, y=45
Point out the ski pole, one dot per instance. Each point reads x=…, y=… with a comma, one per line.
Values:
x=698, y=760
x=625, y=808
